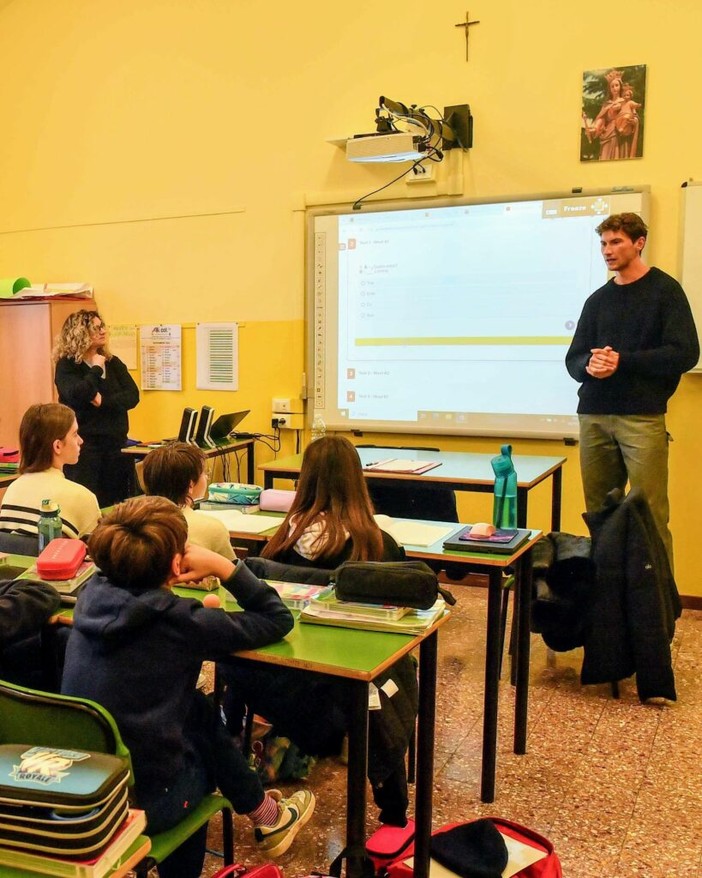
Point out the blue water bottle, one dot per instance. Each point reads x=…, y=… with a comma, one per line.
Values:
x=504, y=510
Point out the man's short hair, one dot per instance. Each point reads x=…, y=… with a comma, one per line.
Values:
x=630, y=223
x=135, y=544
x=170, y=470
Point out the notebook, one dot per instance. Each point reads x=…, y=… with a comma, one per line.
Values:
x=494, y=544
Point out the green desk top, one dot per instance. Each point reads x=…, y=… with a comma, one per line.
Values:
x=456, y=466
x=343, y=652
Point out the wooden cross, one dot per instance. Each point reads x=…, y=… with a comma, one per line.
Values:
x=466, y=24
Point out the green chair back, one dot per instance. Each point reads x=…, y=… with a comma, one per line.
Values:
x=28, y=716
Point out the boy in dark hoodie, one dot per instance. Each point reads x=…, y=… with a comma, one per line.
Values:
x=136, y=648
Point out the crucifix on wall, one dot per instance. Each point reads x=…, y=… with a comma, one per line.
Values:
x=467, y=24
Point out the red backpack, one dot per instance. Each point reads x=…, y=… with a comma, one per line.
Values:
x=527, y=844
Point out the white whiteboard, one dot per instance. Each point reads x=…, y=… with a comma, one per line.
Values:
x=691, y=253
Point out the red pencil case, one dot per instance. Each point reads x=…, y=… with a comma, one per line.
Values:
x=9, y=454
x=61, y=558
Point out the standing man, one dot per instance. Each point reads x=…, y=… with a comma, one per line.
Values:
x=634, y=340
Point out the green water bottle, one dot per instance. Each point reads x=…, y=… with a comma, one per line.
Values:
x=504, y=509
x=49, y=525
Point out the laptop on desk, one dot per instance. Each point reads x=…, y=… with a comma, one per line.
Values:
x=225, y=425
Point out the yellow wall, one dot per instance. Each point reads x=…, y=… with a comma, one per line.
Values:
x=164, y=150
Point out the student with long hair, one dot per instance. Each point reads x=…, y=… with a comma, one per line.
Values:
x=49, y=441
x=331, y=518
x=178, y=471
x=331, y=521
x=98, y=387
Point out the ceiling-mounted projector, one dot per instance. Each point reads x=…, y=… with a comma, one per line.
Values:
x=398, y=146
x=409, y=134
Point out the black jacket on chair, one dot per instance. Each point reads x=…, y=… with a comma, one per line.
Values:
x=635, y=604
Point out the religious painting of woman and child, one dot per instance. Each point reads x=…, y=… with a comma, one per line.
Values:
x=612, y=118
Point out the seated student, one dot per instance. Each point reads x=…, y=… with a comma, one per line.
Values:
x=331, y=517
x=177, y=471
x=330, y=521
x=48, y=440
x=136, y=648
x=25, y=606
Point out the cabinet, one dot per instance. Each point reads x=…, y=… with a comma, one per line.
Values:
x=27, y=331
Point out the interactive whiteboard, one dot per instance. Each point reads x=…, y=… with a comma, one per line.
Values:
x=453, y=318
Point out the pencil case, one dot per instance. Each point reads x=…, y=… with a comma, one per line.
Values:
x=234, y=493
x=61, y=558
x=276, y=500
x=400, y=583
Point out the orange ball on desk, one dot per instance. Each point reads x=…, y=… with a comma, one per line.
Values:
x=211, y=600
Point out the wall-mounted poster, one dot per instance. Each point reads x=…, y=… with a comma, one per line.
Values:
x=613, y=107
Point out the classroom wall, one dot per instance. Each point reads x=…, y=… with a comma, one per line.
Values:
x=165, y=150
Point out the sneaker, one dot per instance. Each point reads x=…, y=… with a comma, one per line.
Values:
x=293, y=813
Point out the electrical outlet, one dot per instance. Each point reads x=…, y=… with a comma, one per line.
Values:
x=281, y=404
x=291, y=422
x=423, y=173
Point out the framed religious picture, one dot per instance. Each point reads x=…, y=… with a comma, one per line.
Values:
x=613, y=113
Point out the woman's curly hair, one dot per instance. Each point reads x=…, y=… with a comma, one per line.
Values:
x=74, y=339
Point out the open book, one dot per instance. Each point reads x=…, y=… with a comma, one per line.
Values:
x=397, y=465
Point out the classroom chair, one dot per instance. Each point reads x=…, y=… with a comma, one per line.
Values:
x=28, y=716
x=19, y=544
x=406, y=498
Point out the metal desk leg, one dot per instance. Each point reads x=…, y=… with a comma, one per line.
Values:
x=523, y=582
x=250, y=473
x=356, y=783
x=490, y=697
x=425, y=754
x=556, y=489
x=267, y=480
x=522, y=502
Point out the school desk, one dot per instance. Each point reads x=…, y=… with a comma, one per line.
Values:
x=139, y=452
x=458, y=470
x=494, y=567
x=361, y=656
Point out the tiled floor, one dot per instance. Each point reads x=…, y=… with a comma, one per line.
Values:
x=616, y=785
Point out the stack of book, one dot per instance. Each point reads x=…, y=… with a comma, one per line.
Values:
x=297, y=595
x=327, y=609
x=67, y=588
x=123, y=848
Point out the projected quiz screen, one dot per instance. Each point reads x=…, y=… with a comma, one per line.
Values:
x=455, y=319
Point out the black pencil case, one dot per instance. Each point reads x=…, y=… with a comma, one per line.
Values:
x=401, y=583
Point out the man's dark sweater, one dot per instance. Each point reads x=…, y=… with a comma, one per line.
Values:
x=649, y=323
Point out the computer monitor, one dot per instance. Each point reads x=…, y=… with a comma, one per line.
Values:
x=202, y=434
x=187, y=425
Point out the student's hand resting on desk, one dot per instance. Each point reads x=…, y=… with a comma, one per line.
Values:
x=197, y=562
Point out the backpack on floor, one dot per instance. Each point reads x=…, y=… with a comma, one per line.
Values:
x=530, y=855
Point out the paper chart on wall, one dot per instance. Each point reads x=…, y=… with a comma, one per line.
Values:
x=161, y=356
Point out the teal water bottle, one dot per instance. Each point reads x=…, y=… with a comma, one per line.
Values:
x=49, y=525
x=504, y=509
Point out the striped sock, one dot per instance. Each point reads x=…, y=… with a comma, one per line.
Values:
x=266, y=814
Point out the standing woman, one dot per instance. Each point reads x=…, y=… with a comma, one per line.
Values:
x=100, y=390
